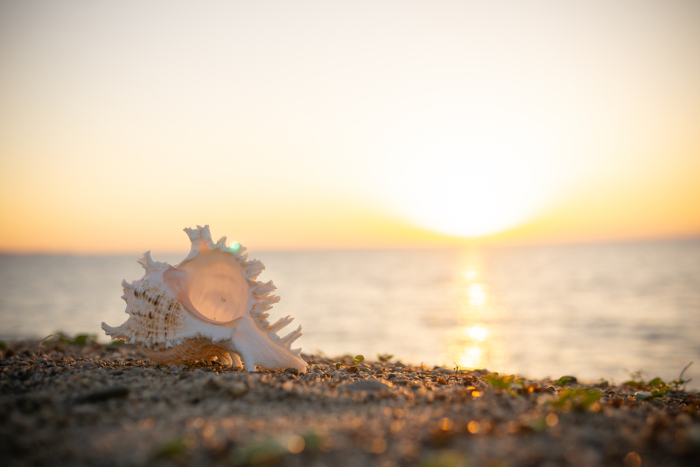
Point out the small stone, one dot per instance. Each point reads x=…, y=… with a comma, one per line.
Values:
x=441, y=381
x=287, y=386
x=115, y=392
x=214, y=383
x=444, y=371
x=236, y=389
x=643, y=395
x=292, y=371
x=85, y=365
x=366, y=385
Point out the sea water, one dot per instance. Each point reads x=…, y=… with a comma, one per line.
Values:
x=589, y=310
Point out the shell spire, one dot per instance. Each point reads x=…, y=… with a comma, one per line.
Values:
x=208, y=306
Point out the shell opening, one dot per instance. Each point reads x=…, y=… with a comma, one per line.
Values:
x=212, y=285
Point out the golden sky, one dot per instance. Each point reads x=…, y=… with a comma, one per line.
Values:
x=347, y=124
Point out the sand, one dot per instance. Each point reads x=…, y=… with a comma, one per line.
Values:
x=66, y=404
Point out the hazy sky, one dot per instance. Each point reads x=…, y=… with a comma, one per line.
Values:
x=346, y=124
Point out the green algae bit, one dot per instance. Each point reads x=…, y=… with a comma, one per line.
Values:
x=656, y=389
x=80, y=339
x=170, y=449
x=508, y=383
x=384, y=357
x=357, y=359
x=577, y=399
x=564, y=380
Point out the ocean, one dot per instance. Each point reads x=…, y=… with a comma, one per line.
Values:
x=589, y=310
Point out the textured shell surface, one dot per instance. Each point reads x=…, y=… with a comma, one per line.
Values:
x=208, y=306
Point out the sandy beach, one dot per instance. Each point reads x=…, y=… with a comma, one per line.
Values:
x=70, y=404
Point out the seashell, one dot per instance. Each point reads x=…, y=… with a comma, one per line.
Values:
x=208, y=306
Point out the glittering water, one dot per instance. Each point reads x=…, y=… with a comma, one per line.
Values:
x=596, y=310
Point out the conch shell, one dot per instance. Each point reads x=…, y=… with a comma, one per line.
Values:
x=209, y=305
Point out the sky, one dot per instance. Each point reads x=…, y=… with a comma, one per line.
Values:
x=288, y=125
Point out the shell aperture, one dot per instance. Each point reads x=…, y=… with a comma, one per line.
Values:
x=208, y=306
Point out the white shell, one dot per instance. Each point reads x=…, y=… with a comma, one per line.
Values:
x=209, y=305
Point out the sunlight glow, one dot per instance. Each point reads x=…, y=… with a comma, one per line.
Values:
x=470, y=357
x=477, y=181
x=476, y=332
x=477, y=294
x=470, y=274
x=474, y=341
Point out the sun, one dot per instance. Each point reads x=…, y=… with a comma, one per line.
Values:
x=468, y=185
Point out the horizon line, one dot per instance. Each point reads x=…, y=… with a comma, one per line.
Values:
x=453, y=245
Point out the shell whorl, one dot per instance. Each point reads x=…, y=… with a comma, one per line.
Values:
x=156, y=320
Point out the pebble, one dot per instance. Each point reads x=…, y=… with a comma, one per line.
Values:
x=236, y=389
x=444, y=371
x=366, y=385
x=115, y=392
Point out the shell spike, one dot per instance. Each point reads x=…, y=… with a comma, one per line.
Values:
x=291, y=337
x=147, y=262
x=199, y=238
x=127, y=286
x=241, y=253
x=280, y=323
x=264, y=288
x=206, y=237
x=221, y=244
x=193, y=234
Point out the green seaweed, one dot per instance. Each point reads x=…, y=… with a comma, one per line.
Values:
x=507, y=383
x=355, y=361
x=657, y=387
x=273, y=449
x=563, y=381
x=579, y=399
x=170, y=449
x=384, y=357
x=79, y=339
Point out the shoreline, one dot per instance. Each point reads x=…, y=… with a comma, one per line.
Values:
x=88, y=404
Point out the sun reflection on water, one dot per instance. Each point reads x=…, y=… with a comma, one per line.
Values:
x=477, y=332
x=477, y=295
x=473, y=342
